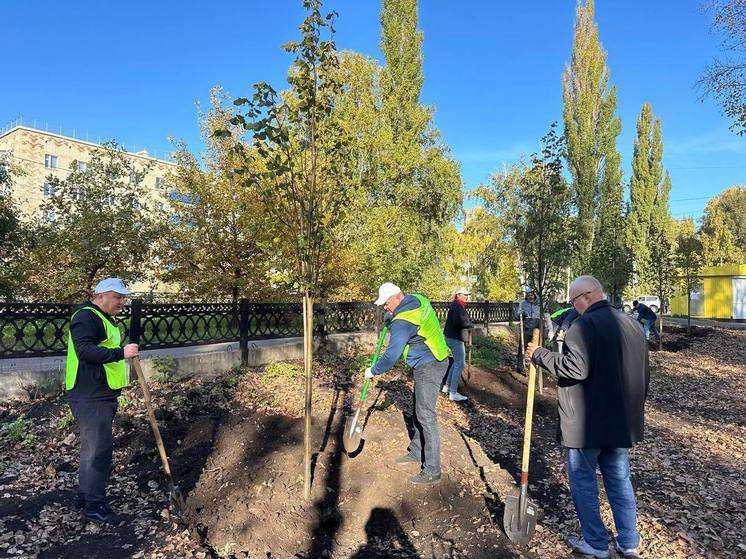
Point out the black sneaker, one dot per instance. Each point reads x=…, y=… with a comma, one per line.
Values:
x=407, y=459
x=100, y=513
x=425, y=479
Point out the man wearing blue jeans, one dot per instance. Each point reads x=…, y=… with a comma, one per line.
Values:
x=456, y=330
x=647, y=317
x=415, y=334
x=602, y=382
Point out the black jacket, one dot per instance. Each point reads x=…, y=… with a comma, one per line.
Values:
x=602, y=379
x=458, y=322
x=645, y=313
x=87, y=332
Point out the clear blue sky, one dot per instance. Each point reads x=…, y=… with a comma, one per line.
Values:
x=134, y=70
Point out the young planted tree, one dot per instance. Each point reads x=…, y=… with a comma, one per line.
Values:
x=689, y=262
x=534, y=202
x=97, y=222
x=661, y=273
x=301, y=149
x=591, y=128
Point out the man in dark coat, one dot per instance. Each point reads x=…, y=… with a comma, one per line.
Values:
x=456, y=332
x=602, y=382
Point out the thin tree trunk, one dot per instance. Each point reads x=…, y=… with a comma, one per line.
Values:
x=688, y=310
x=308, y=358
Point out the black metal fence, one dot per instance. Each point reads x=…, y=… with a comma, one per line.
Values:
x=41, y=329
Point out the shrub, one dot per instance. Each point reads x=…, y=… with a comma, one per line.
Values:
x=18, y=431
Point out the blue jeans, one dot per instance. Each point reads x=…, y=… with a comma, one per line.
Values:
x=614, y=464
x=425, y=443
x=649, y=324
x=458, y=349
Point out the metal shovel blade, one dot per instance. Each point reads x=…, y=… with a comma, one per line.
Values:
x=519, y=527
x=176, y=502
x=353, y=433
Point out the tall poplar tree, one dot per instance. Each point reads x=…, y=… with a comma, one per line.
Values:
x=591, y=127
x=648, y=191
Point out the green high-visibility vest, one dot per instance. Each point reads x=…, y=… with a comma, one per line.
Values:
x=558, y=312
x=428, y=327
x=116, y=372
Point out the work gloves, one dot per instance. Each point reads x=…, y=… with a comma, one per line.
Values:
x=368, y=373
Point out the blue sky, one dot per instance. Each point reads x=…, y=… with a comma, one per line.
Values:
x=134, y=70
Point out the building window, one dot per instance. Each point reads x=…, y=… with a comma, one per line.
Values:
x=50, y=161
x=160, y=184
x=48, y=190
x=81, y=166
x=135, y=204
x=160, y=206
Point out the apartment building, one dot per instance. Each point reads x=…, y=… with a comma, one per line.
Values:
x=41, y=154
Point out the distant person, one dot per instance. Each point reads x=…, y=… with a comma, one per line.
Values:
x=528, y=308
x=415, y=333
x=562, y=319
x=602, y=383
x=456, y=331
x=647, y=317
x=95, y=374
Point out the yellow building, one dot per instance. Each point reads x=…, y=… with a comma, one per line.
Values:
x=39, y=154
x=721, y=294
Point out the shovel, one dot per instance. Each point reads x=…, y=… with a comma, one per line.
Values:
x=519, y=520
x=176, y=502
x=353, y=431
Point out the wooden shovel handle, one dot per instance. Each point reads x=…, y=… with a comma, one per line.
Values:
x=151, y=415
x=529, y=414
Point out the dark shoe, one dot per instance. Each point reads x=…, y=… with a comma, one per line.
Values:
x=79, y=501
x=407, y=459
x=100, y=513
x=425, y=479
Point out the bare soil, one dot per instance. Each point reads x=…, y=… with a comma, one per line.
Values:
x=236, y=447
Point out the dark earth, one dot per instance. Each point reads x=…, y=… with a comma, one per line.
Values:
x=236, y=448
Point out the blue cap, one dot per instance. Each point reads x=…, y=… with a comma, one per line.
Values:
x=112, y=284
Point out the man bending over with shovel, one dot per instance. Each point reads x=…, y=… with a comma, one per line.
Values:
x=416, y=333
x=602, y=382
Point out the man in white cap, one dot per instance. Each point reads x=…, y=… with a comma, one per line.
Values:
x=415, y=333
x=456, y=331
x=95, y=374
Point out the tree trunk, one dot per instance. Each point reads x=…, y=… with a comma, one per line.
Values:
x=688, y=310
x=308, y=359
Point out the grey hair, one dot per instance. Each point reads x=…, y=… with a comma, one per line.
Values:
x=586, y=283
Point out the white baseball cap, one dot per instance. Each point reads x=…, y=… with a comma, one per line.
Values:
x=111, y=284
x=385, y=292
x=463, y=291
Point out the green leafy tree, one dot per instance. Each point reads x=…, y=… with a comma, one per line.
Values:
x=661, y=273
x=610, y=260
x=406, y=184
x=221, y=244
x=723, y=230
x=302, y=148
x=725, y=78
x=689, y=262
x=98, y=222
x=535, y=202
x=591, y=128
x=649, y=191
x=14, y=234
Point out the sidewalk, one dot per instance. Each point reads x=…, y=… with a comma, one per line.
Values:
x=705, y=322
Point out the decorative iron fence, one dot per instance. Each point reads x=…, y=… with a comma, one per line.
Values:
x=40, y=329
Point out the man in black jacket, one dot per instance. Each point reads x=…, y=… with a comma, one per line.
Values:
x=95, y=374
x=456, y=332
x=602, y=382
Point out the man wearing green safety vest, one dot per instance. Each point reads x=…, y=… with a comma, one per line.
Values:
x=95, y=373
x=416, y=334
